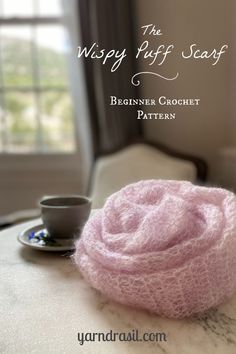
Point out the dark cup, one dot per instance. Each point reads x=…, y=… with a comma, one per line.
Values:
x=65, y=216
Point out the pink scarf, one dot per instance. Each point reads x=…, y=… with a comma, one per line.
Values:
x=165, y=246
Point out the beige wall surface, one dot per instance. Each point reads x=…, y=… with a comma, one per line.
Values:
x=203, y=129
x=25, y=179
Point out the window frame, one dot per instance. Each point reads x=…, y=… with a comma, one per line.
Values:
x=35, y=88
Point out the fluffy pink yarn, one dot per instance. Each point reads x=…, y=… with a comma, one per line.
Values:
x=165, y=246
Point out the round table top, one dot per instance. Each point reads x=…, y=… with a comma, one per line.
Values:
x=45, y=303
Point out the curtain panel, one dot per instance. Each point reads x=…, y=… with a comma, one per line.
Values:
x=109, y=24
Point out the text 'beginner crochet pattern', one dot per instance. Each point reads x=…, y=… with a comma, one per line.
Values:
x=165, y=246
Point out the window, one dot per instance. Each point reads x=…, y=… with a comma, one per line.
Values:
x=36, y=114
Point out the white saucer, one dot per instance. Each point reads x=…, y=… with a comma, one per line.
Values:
x=56, y=246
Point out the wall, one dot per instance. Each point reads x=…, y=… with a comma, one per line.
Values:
x=205, y=129
x=25, y=179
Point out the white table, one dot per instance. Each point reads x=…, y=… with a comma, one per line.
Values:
x=45, y=302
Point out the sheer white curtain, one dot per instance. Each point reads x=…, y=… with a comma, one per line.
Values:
x=77, y=81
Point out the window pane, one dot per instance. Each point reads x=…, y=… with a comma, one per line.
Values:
x=18, y=7
x=16, y=56
x=21, y=122
x=50, y=8
x=52, y=49
x=57, y=122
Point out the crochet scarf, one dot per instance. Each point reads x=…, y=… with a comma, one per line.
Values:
x=165, y=246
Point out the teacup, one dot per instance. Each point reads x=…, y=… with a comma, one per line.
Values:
x=64, y=216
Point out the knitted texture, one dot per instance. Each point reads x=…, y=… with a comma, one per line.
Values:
x=165, y=246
